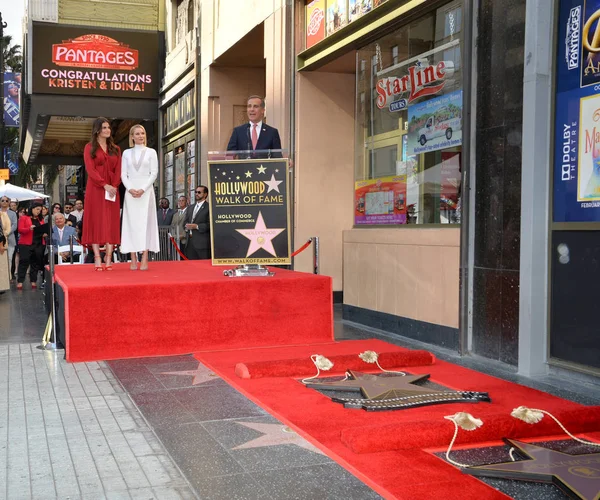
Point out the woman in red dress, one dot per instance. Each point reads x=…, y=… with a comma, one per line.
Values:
x=101, y=217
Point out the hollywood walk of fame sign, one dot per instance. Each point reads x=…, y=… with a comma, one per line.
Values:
x=249, y=211
x=393, y=392
x=577, y=475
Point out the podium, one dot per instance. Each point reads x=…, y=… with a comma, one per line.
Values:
x=249, y=196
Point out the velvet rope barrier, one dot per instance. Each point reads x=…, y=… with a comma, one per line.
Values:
x=303, y=247
x=177, y=248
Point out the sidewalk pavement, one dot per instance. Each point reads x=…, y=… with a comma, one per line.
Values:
x=70, y=431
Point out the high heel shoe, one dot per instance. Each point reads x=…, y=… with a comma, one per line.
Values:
x=108, y=262
x=133, y=266
x=144, y=267
x=97, y=264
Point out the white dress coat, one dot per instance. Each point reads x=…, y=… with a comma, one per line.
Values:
x=140, y=226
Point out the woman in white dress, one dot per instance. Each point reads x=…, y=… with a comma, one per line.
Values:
x=139, y=168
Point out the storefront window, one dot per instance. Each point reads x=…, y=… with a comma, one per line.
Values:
x=409, y=123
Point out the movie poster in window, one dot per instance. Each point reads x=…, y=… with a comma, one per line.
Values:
x=315, y=22
x=358, y=8
x=191, y=165
x=336, y=15
x=180, y=169
x=380, y=201
x=576, y=186
x=191, y=149
x=192, y=187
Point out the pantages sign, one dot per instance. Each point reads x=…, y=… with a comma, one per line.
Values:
x=94, y=61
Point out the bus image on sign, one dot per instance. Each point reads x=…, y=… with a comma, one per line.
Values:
x=438, y=125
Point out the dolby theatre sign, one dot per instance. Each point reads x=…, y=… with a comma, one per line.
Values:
x=94, y=61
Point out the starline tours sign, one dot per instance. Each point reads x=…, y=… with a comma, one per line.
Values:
x=90, y=61
x=420, y=81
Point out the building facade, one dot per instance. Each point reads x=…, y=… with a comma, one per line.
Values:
x=85, y=59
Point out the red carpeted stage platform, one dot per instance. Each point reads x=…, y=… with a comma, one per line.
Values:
x=188, y=306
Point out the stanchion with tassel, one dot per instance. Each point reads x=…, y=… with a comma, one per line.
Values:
x=49, y=342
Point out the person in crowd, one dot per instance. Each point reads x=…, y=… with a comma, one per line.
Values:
x=15, y=260
x=139, y=171
x=177, y=224
x=101, y=219
x=164, y=214
x=5, y=231
x=255, y=134
x=14, y=205
x=70, y=219
x=61, y=234
x=57, y=208
x=32, y=231
x=197, y=223
x=45, y=212
x=78, y=212
x=11, y=237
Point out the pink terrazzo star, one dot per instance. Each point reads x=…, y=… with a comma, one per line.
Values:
x=273, y=435
x=200, y=374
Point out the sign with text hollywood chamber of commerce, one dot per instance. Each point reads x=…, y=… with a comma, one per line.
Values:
x=249, y=211
x=577, y=119
x=89, y=61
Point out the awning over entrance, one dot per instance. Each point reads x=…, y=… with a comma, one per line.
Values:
x=56, y=128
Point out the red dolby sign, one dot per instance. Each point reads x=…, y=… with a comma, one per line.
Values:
x=75, y=60
x=94, y=51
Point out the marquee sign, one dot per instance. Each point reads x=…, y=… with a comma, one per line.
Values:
x=420, y=81
x=73, y=60
x=95, y=51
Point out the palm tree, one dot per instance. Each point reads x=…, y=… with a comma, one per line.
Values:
x=13, y=59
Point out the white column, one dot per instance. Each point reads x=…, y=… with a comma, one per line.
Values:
x=535, y=188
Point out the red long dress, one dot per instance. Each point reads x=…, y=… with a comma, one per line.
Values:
x=101, y=218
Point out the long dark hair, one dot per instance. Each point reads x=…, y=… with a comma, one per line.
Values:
x=111, y=147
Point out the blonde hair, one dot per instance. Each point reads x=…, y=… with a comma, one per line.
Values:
x=131, y=130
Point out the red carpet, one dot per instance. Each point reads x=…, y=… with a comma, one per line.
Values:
x=391, y=445
x=188, y=306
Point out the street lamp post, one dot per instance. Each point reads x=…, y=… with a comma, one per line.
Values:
x=2, y=26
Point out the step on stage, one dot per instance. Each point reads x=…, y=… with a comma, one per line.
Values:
x=187, y=306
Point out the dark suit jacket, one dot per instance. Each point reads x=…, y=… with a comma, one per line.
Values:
x=200, y=238
x=168, y=219
x=268, y=139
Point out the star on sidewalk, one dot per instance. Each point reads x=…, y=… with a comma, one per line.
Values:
x=261, y=169
x=273, y=435
x=248, y=174
x=260, y=236
x=273, y=184
x=200, y=374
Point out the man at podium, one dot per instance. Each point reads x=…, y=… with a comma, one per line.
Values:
x=255, y=135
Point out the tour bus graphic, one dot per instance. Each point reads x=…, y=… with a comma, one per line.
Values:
x=439, y=124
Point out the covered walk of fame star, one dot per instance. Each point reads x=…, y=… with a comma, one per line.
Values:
x=577, y=475
x=260, y=236
x=393, y=392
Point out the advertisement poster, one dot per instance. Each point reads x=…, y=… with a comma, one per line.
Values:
x=576, y=191
x=435, y=124
x=179, y=169
x=72, y=60
x=315, y=23
x=336, y=15
x=249, y=211
x=358, y=8
x=12, y=90
x=380, y=201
